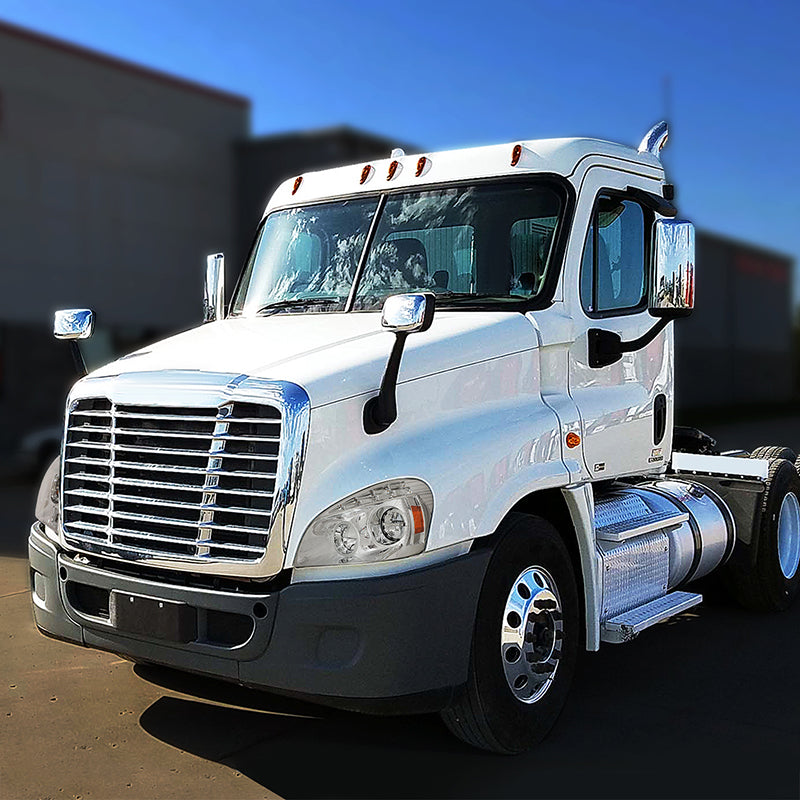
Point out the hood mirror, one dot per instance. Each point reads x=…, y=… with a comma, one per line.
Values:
x=408, y=313
x=73, y=323
x=402, y=314
x=214, y=294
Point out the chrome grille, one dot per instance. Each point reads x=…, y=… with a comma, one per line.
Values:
x=185, y=482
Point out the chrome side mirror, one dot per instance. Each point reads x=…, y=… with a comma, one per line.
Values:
x=214, y=294
x=73, y=323
x=672, y=290
x=408, y=313
x=402, y=314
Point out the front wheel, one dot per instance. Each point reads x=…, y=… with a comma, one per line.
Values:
x=525, y=643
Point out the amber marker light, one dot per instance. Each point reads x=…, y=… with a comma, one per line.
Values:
x=297, y=182
x=516, y=154
x=365, y=173
x=419, y=520
x=392, y=170
x=421, y=164
x=573, y=440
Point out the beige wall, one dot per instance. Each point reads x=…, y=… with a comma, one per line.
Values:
x=114, y=184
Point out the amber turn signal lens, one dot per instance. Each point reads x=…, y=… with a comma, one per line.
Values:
x=516, y=154
x=392, y=170
x=573, y=440
x=419, y=519
x=421, y=166
x=297, y=182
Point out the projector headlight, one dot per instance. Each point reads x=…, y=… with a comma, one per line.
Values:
x=382, y=522
x=47, y=501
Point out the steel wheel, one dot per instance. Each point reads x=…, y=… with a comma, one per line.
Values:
x=531, y=633
x=525, y=644
x=789, y=535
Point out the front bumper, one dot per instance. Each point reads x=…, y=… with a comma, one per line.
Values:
x=389, y=644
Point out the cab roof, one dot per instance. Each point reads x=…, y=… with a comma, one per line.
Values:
x=553, y=156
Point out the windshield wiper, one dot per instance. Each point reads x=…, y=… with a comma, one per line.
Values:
x=445, y=298
x=297, y=302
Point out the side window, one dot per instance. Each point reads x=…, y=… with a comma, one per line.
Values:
x=531, y=245
x=613, y=270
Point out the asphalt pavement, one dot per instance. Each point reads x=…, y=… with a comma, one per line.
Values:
x=706, y=705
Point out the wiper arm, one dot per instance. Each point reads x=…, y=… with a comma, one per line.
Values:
x=445, y=298
x=297, y=302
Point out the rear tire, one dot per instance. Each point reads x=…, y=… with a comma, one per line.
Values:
x=525, y=644
x=774, y=451
x=773, y=583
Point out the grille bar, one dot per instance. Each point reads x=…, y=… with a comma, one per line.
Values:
x=186, y=482
x=153, y=485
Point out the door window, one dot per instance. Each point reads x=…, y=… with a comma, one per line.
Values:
x=613, y=270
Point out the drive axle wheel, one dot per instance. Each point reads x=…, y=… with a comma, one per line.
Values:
x=774, y=581
x=774, y=451
x=525, y=643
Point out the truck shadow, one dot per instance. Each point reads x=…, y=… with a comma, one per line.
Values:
x=685, y=711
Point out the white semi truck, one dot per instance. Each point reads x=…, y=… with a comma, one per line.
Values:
x=300, y=496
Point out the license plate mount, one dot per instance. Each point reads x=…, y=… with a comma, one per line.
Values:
x=154, y=617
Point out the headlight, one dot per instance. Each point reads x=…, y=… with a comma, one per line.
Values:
x=47, y=501
x=382, y=522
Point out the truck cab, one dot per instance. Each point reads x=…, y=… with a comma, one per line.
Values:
x=424, y=454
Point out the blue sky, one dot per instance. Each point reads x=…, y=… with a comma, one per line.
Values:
x=452, y=74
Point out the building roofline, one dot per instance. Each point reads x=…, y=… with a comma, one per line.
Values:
x=122, y=65
x=329, y=130
x=746, y=244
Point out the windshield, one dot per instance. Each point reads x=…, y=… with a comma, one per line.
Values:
x=470, y=245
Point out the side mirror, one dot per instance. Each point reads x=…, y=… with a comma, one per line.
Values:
x=402, y=314
x=672, y=292
x=73, y=323
x=214, y=294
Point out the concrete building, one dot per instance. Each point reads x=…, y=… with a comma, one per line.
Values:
x=736, y=347
x=117, y=180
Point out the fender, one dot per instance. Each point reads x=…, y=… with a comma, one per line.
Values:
x=580, y=502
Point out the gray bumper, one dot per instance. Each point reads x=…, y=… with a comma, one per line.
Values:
x=354, y=643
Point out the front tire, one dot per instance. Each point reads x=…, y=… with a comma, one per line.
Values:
x=525, y=644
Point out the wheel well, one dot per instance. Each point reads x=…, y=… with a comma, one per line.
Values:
x=548, y=504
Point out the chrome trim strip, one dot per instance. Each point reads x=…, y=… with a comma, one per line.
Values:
x=175, y=388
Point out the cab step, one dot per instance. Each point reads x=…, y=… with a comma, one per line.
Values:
x=620, y=530
x=629, y=625
x=621, y=515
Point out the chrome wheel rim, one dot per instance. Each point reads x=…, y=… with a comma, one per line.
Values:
x=789, y=535
x=531, y=634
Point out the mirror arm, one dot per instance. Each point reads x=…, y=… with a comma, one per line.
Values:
x=607, y=347
x=653, y=201
x=77, y=358
x=381, y=411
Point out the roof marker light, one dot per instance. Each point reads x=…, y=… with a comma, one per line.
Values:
x=297, y=182
x=366, y=173
x=398, y=152
x=516, y=154
x=423, y=165
x=393, y=167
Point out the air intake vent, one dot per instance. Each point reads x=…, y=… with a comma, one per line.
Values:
x=191, y=483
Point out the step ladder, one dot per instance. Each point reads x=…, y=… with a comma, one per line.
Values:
x=627, y=626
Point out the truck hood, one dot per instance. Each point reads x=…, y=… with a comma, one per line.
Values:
x=332, y=356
